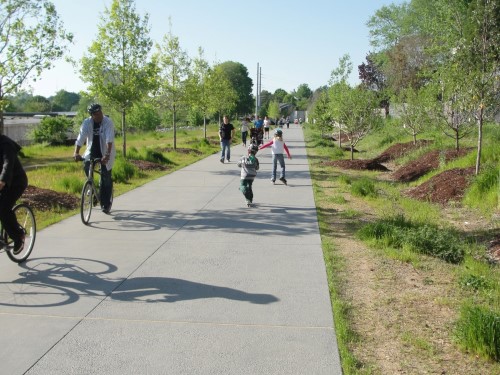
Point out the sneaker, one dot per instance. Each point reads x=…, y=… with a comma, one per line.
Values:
x=228, y=160
x=272, y=181
x=222, y=160
x=282, y=179
x=106, y=210
x=18, y=246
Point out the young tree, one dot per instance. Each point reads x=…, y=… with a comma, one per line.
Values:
x=174, y=65
x=358, y=114
x=117, y=66
x=32, y=37
x=338, y=84
x=415, y=111
x=321, y=113
x=273, y=109
x=197, y=92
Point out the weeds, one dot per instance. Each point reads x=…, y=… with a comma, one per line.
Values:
x=400, y=233
x=478, y=330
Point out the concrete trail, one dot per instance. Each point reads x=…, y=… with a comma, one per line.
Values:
x=181, y=278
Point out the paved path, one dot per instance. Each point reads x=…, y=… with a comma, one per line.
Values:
x=181, y=278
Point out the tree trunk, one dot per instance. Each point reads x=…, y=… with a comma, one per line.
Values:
x=204, y=126
x=479, y=140
x=124, y=135
x=175, y=128
x=352, y=152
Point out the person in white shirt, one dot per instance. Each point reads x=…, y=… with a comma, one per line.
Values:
x=278, y=148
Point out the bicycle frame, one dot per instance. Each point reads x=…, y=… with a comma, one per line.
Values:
x=90, y=192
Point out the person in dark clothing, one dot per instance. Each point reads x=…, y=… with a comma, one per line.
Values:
x=226, y=134
x=13, y=182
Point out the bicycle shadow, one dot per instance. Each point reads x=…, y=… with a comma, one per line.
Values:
x=61, y=281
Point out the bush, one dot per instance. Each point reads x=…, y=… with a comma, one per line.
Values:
x=52, y=130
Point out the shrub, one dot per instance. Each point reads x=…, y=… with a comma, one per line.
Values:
x=52, y=130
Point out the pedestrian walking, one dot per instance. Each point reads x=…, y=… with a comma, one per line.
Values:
x=226, y=134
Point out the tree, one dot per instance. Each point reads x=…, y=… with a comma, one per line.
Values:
x=222, y=96
x=174, y=66
x=32, y=37
x=143, y=116
x=273, y=109
x=415, y=111
x=117, y=66
x=478, y=52
x=37, y=103
x=373, y=78
x=322, y=114
x=241, y=83
x=354, y=110
x=197, y=92
x=466, y=48
x=64, y=100
x=279, y=95
x=356, y=113
x=303, y=91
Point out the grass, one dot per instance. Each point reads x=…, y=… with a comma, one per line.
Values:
x=409, y=231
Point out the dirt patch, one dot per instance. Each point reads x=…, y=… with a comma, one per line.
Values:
x=144, y=165
x=401, y=149
x=448, y=186
x=357, y=164
x=46, y=200
x=182, y=150
x=426, y=163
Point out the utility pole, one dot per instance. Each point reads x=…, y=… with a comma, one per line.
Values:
x=257, y=94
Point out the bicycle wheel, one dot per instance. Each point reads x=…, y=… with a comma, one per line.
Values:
x=87, y=202
x=26, y=220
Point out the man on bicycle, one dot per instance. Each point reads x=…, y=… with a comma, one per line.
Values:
x=13, y=182
x=98, y=132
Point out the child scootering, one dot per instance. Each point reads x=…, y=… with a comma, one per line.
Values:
x=278, y=147
x=249, y=166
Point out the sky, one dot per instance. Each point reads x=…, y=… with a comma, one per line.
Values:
x=293, y=41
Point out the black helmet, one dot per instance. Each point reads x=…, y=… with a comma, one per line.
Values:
x=278, y=132
x=93, y=108
x=253, y=148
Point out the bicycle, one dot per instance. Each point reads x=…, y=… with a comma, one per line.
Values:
x=26, y=219
x=91, y=192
